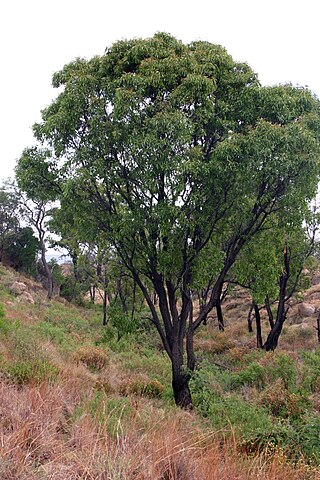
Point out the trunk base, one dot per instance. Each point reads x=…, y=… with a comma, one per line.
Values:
x=182, y=393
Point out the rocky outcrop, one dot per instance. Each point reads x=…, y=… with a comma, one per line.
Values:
x=26, y=297
x=17, y=288
x=306, y=309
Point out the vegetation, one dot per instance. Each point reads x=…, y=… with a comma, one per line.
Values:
x=77, y=402
x=182, y=191
x=168, y=157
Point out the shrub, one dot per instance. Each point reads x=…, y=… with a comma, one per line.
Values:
x=280, y=401
x=142, y=386
x=280, y=365
x=4, y=325
x=253, y=375
x=26, y=371
x=53, y=332
x=93, y=357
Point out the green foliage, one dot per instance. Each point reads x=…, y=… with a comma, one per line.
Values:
x=222, y=412
x=123, y=322
x=22, y=248
x=110, y=412
x=284, y=368
x=31, y=371
x=254, y=374
x=52, y=332
x=298, y=441
x=5, y=325
x=71, y=290
x=171, y=154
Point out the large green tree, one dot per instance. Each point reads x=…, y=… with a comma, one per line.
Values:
x=171, y=152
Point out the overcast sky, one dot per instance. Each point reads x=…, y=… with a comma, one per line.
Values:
x=278, y=38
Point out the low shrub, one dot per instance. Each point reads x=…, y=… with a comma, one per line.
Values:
x=142, y=386
x=93, y=357
x=253, y=375
x=280, y=402
x=24, y=372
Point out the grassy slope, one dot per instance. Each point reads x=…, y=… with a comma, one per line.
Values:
x=77, y=404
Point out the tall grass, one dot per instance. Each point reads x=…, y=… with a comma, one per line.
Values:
x=41, y=438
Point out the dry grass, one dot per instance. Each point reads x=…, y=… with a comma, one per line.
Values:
x=41, y=438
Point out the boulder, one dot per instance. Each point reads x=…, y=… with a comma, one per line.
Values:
x=18, y=288
x=306, y=309
x=27, y=297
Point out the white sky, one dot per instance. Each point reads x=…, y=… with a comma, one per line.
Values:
x=278, y=38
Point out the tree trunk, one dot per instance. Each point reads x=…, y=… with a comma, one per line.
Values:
x=273, y=337
x=269, y=311
x=219, y=310
x=92, y=292
x=105, y=298
x=46, y=269
x=220, y=316
x=318, y=327
x=250, y=319
x=180, y=384
x=258, y=324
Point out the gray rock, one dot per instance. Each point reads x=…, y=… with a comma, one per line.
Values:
x=306, y=309
x=18, y=288
x=27, y=297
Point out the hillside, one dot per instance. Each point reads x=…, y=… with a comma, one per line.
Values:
x=76, y=403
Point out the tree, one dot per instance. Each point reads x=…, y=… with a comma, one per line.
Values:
x=168, y=152
x=22, y=248
x=271, y=268
x=9, y=216
x=37, y=189
x=297, y=247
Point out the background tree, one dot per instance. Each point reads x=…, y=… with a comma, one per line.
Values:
x=22, y=248
x=9, y=216
x=166, y=149
x=38, y=187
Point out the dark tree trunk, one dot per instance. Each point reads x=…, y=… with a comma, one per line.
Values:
x=219, y=309
x=105, y=298
x=180, y=383
x=318, y=327
x=105, y=320
x=269, y=311
x=250, y=319
x=273, y=337
x=258, y=324
x=181, y=391
x=220, y=316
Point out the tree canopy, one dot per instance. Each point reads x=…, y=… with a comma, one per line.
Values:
x=175, y=156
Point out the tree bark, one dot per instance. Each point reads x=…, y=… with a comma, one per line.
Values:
x=250, y=319
x=220, y=316
x=105, y=298
x=46, y=269
x=318, y=327
x=180, y=383
x=269, y=311
x=273, y=337
x=258, y=324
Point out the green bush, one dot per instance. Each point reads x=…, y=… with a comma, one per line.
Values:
x=253, y=375
x=286, y=369
x=4, y=324
x=112, y=413
x=26, y=371
x=298, y=441
x=52, y=332
x=123, y=322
